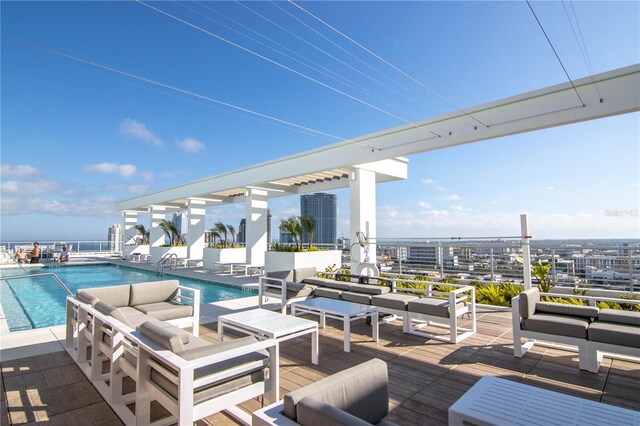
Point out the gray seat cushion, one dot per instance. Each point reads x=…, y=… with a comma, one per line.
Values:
x=126, y=315
x=397, y=301
x=615, y=334
x=566, y=309
x=364, y=299
x=619, y=316
x=527, y=302
x=318, y=281
x=361, y=391
x=369, y=288
x=87, y=298
x=431, y=306
x=330, y=293
x=166, y=311
x=117, y=296
x=557, y=324
x=293, y=290
x=169, y=338
x=201, y=348
x=152, y=292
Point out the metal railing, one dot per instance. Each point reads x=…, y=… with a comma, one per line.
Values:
x=77, y=246
x=171, y=259
x=46, y=274
x=584, y=264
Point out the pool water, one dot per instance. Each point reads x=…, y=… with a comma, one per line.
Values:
x=38, y=302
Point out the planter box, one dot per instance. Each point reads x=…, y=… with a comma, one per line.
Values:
x=157, y=252
x=226, y=255
x=140, y=248
x=285, y=261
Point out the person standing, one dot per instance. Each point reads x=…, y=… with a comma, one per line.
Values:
x=35, y=253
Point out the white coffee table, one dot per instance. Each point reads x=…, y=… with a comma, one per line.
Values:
x=273, y=325
x=340, y=310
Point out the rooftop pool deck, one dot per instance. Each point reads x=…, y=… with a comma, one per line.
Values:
x=41, y=383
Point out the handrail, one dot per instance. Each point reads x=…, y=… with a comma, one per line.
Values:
x=163, y=260
x=15, y=277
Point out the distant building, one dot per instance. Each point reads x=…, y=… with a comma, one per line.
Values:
x=242, y=231
x=115, y=237
x=324, y=209
x=181, y=221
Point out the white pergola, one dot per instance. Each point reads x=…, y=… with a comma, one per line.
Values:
x=361, y=163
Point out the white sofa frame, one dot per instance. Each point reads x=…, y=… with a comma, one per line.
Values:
x=73, y=326
x=279, y=284
x=413, y=322
x=590, y=353
x=183, y=408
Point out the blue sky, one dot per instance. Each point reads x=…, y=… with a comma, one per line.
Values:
x=76, y=138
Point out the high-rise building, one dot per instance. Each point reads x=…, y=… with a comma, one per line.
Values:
x=115, y=237
x=242, y=231
x=324, y=209
x=180, y=221
x=285, y=236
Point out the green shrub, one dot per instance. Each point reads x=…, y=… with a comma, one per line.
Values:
x=491, y=295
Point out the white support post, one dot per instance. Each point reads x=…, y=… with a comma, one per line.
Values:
x=256, y=228
x=156, y=234
x=130, y=222
x=362, y=204
x=195, y=231
x=526, y=251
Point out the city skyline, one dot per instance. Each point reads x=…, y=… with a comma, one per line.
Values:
x=101, y=137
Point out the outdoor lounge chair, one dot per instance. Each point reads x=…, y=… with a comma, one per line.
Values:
x=193, y=379
x=356, y=396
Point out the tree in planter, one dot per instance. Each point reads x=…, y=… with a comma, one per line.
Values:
x=172, y=232
x=144, y=234
x=293, y=227
x=232, y=233
x=308, y=225
x=222, y=232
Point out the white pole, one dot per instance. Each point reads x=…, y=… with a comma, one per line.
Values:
x=526, y=251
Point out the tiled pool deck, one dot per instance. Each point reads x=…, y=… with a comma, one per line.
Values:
x=426, y=376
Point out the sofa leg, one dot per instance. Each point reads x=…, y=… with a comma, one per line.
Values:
x=519, y=348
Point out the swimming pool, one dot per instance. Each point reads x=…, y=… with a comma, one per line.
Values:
x=30, y=303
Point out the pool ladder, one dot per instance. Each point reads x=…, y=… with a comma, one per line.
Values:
x=45, y=274
x=171, y=259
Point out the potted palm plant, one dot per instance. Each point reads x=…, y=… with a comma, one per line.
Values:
x=141, y=244
x=284, y=257
x=177, y=244
x=224, y=248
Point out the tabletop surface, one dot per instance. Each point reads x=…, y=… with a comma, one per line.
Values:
x=340, y=307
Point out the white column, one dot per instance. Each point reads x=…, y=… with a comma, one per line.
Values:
x=526, y=251
x=195, y=231
x=362, y=205
x=156, y=234
x=130, y=222
x=256, y=228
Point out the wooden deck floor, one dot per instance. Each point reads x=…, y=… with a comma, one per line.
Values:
x=426, y=376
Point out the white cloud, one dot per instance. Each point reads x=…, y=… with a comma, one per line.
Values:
x=190, y=145
x=124, y=170
x=136, y=130
x=550, y=188
x=453, y=197
x=457, y=208
x=99, y=206
x=18, y=170
x=428, y=181
x=439, y=188
x=27, y=188
x=636, y=185
x=424, y=205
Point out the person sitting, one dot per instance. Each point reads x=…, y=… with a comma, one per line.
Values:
x=35, y=253
x=21, y=256
x=64, y=255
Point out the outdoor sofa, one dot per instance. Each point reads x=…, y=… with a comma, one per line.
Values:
x=416, y=307
x=592, y=330
x=190, y=377
x=356, y=396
